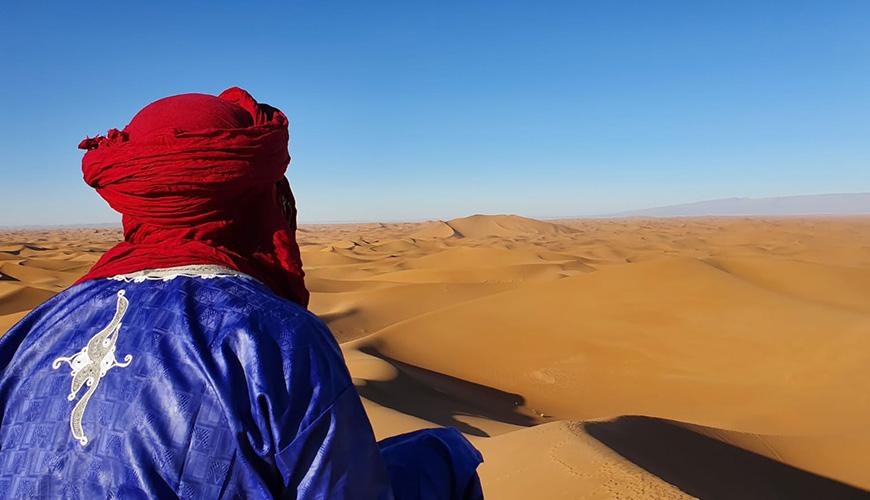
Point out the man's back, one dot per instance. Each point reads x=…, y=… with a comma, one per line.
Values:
x=194, y=379
x=165, y=385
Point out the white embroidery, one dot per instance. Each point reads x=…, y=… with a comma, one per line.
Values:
x=91, y=364
x=169, y=273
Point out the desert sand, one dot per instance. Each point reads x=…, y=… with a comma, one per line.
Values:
x=612, y=358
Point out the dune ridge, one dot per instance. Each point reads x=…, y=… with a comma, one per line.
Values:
x=611, y=358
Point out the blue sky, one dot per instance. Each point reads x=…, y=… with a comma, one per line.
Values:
x=404, y=110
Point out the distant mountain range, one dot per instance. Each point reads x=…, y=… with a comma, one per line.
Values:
x=814, y=204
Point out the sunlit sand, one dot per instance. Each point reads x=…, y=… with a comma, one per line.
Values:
x=620, y=358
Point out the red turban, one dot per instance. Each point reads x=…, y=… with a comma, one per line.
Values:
x=200, y=179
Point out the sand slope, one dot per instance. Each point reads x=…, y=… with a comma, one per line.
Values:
x=623, y=358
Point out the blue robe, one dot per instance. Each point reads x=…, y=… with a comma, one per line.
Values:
x=199, y=387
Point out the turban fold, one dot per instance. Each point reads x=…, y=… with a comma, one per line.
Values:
x=200, y=179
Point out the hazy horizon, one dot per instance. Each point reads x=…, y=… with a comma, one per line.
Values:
x=411, y=112
x=822, y=204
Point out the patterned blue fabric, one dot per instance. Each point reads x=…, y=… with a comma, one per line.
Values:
x=204, y=388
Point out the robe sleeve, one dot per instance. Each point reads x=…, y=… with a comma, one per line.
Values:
x=323, y=441
x=336, y=456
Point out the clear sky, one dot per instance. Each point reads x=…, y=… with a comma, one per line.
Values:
x=404, y=110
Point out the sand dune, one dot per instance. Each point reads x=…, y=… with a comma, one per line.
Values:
x=506, y=226
x=613, y=358
x=436, y=229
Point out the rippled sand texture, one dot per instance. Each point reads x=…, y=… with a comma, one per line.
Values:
x=623, y=358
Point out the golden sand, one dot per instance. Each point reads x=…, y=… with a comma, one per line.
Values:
x=622, y=358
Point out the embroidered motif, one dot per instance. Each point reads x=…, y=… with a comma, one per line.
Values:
x=169, y=273
x=91, y=364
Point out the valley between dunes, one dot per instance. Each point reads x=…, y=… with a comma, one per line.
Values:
x=594, y=359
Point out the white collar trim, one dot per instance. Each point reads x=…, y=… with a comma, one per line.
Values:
x=170, y=273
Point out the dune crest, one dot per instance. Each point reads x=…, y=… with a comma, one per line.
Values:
x=506, y=226
x=435, y=230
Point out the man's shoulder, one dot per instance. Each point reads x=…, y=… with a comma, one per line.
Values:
x=268, y=314
x=221, y=308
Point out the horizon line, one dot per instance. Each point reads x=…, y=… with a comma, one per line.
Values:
x=610, y=215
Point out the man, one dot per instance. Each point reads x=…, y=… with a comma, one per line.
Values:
x=185, y=363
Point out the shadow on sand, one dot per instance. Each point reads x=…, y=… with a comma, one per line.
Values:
x=440, y=398
x=710, y=469
x=699, y=465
